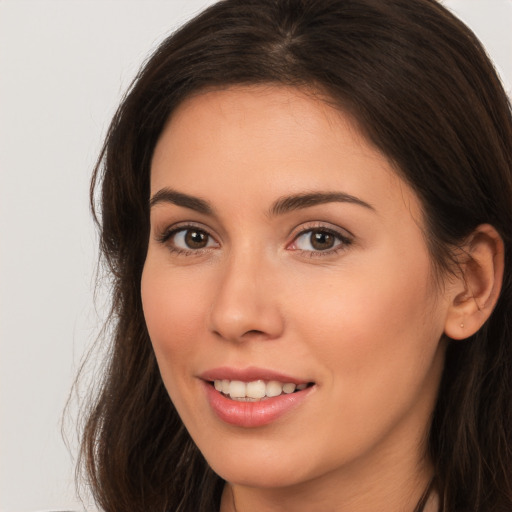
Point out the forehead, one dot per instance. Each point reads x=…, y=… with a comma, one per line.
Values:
x=275, y=115
x=247, y=142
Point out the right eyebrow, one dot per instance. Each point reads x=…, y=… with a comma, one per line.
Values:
x=168, y=195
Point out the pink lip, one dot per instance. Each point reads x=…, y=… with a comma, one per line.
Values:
x=249, y=374
x=251, y=414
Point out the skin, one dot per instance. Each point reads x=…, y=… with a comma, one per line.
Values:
x=364, y=322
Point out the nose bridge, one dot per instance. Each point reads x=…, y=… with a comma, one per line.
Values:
x=245, y=304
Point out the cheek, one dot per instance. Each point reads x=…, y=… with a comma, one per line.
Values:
x=375, y=336
x=174, y=312
x=374, y=323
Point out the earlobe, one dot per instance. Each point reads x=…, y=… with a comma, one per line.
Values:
x=477, y=288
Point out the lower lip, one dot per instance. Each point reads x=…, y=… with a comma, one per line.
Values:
x=253, y=414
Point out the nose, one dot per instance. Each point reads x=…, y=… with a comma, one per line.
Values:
x=245, y=305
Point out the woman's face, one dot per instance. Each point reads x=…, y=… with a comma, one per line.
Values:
x=284, y=249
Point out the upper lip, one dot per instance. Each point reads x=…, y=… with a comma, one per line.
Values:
x=249, y=374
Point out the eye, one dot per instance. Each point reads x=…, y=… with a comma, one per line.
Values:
x=319, y=240
x=189, y=239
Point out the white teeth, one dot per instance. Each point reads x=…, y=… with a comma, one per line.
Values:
x=237, y=389
x=289, y=388
x=274, y=388
x=255, y=390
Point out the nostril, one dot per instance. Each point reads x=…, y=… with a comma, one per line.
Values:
x=253, y=332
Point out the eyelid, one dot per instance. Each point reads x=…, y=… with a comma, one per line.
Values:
x=343, y=235
x=169, y=230
x=167, y=233
x=304, y=227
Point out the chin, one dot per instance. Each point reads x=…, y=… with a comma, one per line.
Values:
x=260, y=475
x=263, y=464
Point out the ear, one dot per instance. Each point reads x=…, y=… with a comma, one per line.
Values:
x=477, y=287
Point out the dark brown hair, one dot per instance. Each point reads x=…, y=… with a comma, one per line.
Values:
x=422, y=89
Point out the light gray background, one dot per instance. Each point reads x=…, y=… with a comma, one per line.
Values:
x=63, y=68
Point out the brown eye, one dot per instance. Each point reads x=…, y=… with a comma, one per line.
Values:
x=192, y=239
x=196, y=239
x=319, y=240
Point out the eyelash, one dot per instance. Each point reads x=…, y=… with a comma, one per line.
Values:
x=344, y=240
x=167, y=235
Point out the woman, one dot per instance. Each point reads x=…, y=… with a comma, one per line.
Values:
x=306, y=206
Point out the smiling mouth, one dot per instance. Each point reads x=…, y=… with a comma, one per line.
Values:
x=257, y=390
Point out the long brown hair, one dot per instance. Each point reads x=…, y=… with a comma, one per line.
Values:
x=422, y=89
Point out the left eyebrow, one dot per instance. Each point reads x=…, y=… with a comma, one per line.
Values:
x=306, y=200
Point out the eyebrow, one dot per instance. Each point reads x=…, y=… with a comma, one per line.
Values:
x=306, y=200
x=280, y=207
x=168, y=195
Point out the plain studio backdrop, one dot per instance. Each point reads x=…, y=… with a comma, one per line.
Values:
x=64, y=66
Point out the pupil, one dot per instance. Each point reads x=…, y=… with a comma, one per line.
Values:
x=196, y=239
x=321, y=240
